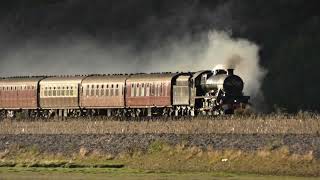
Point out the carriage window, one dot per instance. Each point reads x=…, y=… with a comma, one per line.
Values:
x=107, y=92
x=153, y=90
x=122, y=90
x=67, y=91
x=50, y=92
x=134, y=90
x=107, y=85
x=62, y=91
x=142, y=90
x=139, y=90
x=58, y=91
x=156, y=90
x=131, y=90
x=87, y=90
x=102, y=86
x=92, y=86
x=117, y=92
x=102, y=92
x=97, y=91
x=147, y=90
x=92, y=91
x=71, y=92
x=54, y=92
x=111, y=92
x=45, y=92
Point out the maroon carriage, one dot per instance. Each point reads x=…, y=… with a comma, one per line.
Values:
x=103, y=91
x=149, y=90
x=19, y=93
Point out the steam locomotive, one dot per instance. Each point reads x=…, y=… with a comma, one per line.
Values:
x=132, y=95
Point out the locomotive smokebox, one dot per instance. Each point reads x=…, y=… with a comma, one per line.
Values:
x=229, y=83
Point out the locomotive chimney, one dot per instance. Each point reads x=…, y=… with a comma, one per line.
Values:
x=230, y=71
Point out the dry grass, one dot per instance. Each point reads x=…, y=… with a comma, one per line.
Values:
x=301, y=123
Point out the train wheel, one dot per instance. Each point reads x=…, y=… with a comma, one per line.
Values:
x=2, y=114
x=10, y=114
x=33, y=113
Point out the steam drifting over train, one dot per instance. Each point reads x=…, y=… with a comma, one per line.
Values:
x=172, y=94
